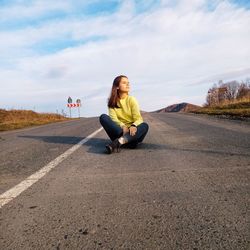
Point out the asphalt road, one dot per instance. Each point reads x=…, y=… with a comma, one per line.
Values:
x=185, y=187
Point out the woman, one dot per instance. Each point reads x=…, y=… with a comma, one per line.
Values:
x=124, y=125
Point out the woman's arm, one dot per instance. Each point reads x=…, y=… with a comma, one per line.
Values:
x=135, y=112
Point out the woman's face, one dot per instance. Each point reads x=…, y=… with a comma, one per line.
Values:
x=124, y=85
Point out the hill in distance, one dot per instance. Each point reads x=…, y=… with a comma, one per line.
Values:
x=179, y=107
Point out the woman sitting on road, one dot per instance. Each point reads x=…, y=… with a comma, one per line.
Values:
x=124, y=125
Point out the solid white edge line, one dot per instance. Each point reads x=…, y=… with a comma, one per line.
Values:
x=29, y=181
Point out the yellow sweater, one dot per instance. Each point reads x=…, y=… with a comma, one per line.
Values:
x=128, y=114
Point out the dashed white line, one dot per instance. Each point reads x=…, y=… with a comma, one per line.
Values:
x=22, y=186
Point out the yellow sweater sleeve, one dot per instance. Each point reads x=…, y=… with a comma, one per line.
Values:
x=114, y=117
x=135, y=109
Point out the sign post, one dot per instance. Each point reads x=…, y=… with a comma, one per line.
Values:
x=69, y=101
x=74, y=105
x=78, y=101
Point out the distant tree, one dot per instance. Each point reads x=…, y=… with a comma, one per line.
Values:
x=228, y=91
x=231, y=90
x=223, y=94
x=212, y=96
x=244, y=90
x=220, y=83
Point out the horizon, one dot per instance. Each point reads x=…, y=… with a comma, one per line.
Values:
x=76, y=111
x=171, y=51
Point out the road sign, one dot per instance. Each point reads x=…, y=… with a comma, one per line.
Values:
x=69, y=100
x=74, y=105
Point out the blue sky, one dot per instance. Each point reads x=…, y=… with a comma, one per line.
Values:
x=171, y=50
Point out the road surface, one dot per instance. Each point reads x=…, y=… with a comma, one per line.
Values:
x=185, y=187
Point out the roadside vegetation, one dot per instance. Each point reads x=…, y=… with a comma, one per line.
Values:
x=228, y=99
x=15, y=119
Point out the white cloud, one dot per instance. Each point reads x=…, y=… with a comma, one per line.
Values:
x=170, y=54
x=32, y=9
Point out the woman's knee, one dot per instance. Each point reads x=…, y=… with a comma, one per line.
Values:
x=145, y=126
x=103, y=117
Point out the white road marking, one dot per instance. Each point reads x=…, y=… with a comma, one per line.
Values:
x=22, y=186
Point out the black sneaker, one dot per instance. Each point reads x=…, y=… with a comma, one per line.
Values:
x=114, y=146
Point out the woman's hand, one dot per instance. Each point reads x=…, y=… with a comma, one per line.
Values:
x=132, y=130
x=125, y=130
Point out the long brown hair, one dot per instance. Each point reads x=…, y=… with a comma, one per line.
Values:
x=114, y=95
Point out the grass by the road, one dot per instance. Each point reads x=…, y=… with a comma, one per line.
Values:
x=15, y=119
x=235, y=109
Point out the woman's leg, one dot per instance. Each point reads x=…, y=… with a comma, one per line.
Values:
x=111, y=128
x=142, y=130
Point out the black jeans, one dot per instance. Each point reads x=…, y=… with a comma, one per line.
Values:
x=114, y=131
